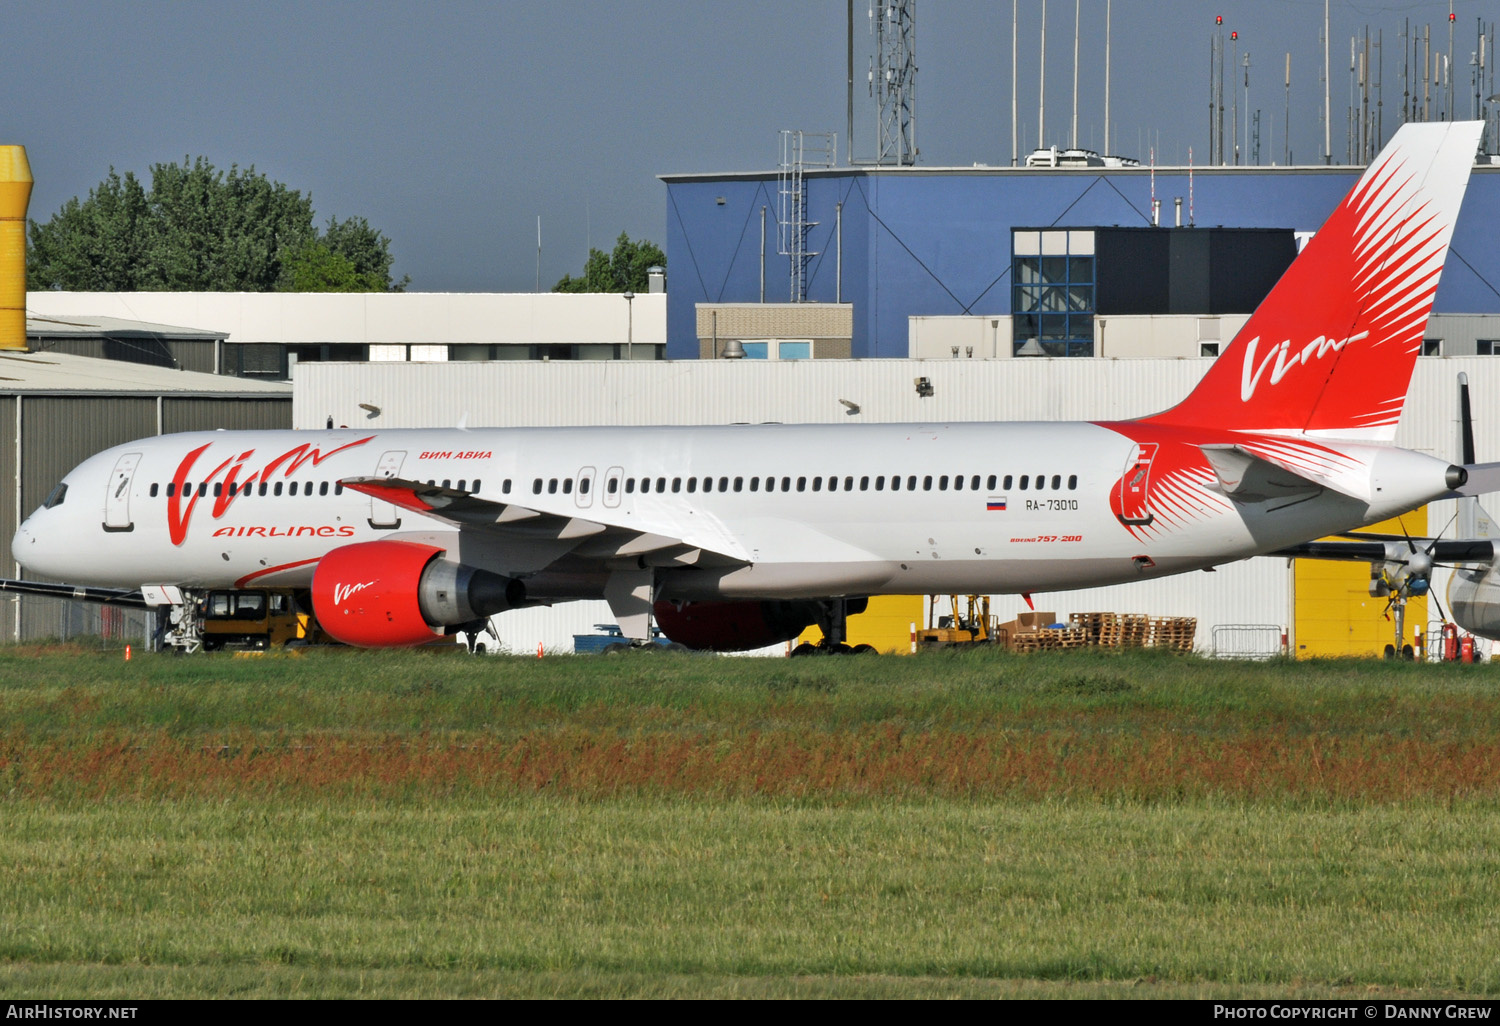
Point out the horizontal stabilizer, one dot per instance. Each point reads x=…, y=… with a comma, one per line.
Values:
x=1245, y=476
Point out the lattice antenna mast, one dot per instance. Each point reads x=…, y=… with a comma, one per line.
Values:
x=894, y=79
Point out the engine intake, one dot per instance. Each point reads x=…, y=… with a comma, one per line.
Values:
x=391, y=594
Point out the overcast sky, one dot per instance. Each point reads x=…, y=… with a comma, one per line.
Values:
x=452, y=125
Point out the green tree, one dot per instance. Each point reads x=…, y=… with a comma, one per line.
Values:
x=202, y=230
x=624, y=270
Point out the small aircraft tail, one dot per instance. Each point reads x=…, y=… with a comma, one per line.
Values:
x=1331, y=349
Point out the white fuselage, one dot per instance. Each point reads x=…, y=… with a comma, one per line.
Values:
x=788, y=512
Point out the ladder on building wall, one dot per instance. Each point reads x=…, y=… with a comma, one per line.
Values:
x=800, y=151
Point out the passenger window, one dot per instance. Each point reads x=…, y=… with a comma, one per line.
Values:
x=1007, y=482
x=911, y=482
x=771, y=484
x=676, y=484
x=818, y=484
x=755, y=484
x=171, y=488
x=708, y=484
x=723, y=484
x=1056, y=482
x=942, y=483
x=990, y=484
x=567, y=485
x=263, y=488
x=786, y=484
x=292, y=488
x=323, y=488
x=277, y=489
x=536, y=487
x=475, y=489
x=153, y=489
x=801, y=484
x=864, y=483
x=338, y=487
x=552, y=486
x=927, y=483
x=1072, y=482
x=833, y=484
x=880, y=483
x=612, y=487
x=447, y=482
x=958, y=482
x=693, y=484
x=1041, y=481
x=895, y=483
x=1024, y=479
x=630, y=486
x=202, y=489
x=739, y=483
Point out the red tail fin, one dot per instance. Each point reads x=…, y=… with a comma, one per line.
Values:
x=1331, y=349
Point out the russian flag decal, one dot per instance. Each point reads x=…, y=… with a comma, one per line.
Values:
x=994, y=503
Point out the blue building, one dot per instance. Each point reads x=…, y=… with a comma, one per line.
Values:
x=897, y=243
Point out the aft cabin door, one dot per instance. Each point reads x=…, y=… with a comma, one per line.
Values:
x=117, y=503
x=383, y=514
x=1131, y=502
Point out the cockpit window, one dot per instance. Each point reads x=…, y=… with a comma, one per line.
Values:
x=56, y=496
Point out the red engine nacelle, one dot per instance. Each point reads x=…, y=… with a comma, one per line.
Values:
x=391, y=594
x=735, y=626
x=367, y=594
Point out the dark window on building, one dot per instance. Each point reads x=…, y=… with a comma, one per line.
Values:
x=1487, y=346
x=1052, y=292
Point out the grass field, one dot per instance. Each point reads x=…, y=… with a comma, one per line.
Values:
x=419, y=824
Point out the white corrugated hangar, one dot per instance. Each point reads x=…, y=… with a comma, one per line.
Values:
x=1324, y=607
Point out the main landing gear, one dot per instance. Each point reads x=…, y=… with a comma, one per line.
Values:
x=833, y=621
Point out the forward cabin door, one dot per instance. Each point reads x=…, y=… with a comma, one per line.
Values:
x=117, y=502
x=384, y=515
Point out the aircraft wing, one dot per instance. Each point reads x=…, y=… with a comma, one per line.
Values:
x=1382, y=548
x=703, y=544
x=103, y=596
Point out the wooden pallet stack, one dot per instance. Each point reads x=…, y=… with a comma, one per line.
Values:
x=1100, y=628
x=1173, y=632
x=1050, y=639
x=1135, y=630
